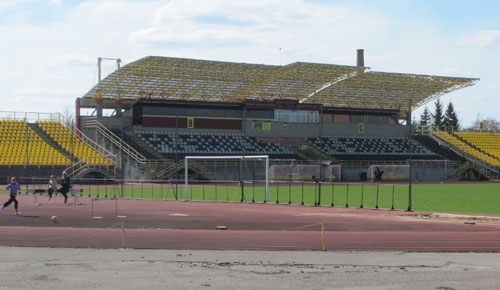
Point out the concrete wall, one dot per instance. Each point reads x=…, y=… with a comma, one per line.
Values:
x=302, y=130
x=25, y=175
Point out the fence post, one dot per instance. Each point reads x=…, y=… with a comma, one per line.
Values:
x=302, y=193
x=333, y=190
x=97, y=186
x=362, y=193
x=289, y=192
x=253, y=191
x=277, y=193
x=216, y=192
x=392, y=197
x=347, y=196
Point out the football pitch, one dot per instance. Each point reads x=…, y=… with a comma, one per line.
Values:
x=473, y=198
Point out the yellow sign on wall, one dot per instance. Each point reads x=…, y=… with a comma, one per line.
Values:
x=261, y=126
x=190, y=123
x=361, y=128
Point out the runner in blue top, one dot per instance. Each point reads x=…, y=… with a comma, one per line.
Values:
x=14, y=187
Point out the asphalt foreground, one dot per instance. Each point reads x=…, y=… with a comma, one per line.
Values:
x=62, y=268
x=176, y=245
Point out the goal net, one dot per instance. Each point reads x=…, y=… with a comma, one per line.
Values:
x=388, y=172
x=304, y=172
x=237, y=170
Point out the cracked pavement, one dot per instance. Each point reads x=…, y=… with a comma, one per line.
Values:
x=63, y=268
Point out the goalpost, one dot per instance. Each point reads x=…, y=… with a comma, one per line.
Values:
x=242, y=158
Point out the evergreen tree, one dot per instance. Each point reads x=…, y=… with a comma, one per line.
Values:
x=450, y=117
x=425, y=117
x=415, y=126
x=438, y=114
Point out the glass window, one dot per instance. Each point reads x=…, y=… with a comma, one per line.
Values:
x=296, y=116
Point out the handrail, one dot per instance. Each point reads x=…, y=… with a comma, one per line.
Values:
x=94, y=145
x=83, y=164
x=126, y=148
x=172, y=167
x=79, y=165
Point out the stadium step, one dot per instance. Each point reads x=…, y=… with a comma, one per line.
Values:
x=51, y=141
x=143, y=145
x=309, y=152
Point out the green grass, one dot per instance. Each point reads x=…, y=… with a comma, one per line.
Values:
x=477, y=198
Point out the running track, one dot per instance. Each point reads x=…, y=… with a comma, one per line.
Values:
x=192, y=225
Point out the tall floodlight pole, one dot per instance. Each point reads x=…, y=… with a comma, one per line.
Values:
x=99, y=62
x=409, y=153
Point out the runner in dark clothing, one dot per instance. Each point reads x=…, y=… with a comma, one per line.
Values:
x=65, y=186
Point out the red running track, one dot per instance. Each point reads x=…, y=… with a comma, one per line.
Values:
x=192, y=225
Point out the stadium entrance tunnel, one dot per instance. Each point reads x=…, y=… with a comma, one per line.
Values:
x=95, y=176
x=474, y=175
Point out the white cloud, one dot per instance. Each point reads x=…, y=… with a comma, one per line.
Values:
x=9, y=4
x=52, y=63
x=41, y=91
x=71, y=60
x=296, y=26
x=482, y=38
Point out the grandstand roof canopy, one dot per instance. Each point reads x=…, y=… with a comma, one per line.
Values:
x=333, y=85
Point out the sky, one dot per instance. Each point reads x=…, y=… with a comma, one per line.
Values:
x=49, y=48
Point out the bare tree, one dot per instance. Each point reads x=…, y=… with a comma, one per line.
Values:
x=489, y=124
x=68, y=117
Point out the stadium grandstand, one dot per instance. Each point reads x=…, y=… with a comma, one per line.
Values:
x=311, y=119
x=38, y=144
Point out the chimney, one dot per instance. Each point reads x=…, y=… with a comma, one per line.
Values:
x=360, y=61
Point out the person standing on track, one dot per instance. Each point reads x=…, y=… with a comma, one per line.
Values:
x=14, y=187
x=65, y=186
x=52, y=186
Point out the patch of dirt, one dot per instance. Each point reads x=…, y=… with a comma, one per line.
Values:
x=459, y=217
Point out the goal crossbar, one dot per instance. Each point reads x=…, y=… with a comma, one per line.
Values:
x=237, y=157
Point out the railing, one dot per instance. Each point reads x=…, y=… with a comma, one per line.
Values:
x=30, y=116
x=94, y=145
x=126, y=148
x=76, y=167
x=317, y=153
x=171, y=169
x=471, y=165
